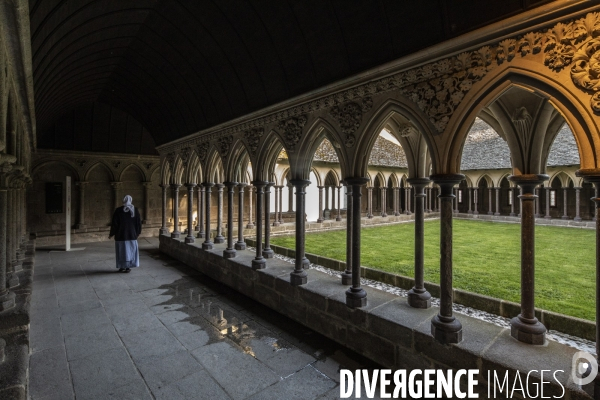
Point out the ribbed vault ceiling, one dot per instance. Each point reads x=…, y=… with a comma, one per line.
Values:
x=179, y=66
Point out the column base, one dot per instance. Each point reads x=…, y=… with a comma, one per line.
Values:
x=189, y=239
x=259, y=263
x=240, y=245
x=175, y=235
x=83, y=226
x=496, y=214
x=338, y=219
x=490, y=213
x=475, y=212
x=305, y=263
x=219, y=239
x=512, y=215
x=207, y=246
x=320, y=220
x=163, y=231
x=200, y=235
x=446, y=330
x=250, y=226
x=383, y=215
x=17, y=265
x=7, y=301
x=346, y=279
x=537, y=215
x=229, y=253
x=197, y=229
x=529, y=331
x=298, y=278
x=396, y=214
x=470, y=212
x=547, y=217
x=268, y=253
x=276, y=223
x=419, y=298
x=356, y=298
x=12, y=280
x=369, y=216
x=577, y=219
x=565, y=217
x=408, y=213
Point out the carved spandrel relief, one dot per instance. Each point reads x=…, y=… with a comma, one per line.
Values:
x=292, y=131
x=252, y=137
x=225, y=145
x=202, y=151
x=523, y=122
x=349, y=117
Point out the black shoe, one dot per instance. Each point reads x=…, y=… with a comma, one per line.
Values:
x=121, y=269
x=128, y=270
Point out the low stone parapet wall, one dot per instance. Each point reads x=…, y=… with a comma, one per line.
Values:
x=387, y=330
x=587, y=224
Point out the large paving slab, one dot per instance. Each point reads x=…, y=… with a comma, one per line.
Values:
x=165, y=331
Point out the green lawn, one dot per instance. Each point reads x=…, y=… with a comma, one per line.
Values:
x=486, y=259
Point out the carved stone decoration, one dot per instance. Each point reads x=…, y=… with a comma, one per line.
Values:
x=523, y=122
x=349, y=117
x=170, y=157
x=184, y=154
x=253, y=138
x=202, y=150
x=225, y=145
x=292, y=131
x=116, y=164
x=81, y=162
x=148, y=165
x=407, y=130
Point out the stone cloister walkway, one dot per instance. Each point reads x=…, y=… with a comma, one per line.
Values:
x=99, y=334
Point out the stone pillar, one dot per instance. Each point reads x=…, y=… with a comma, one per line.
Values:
x=383, y=202
x=339, y=197
x=276, y=220
x=190, y=213
x=200, y=226
x=219, y=238
x=175, y=233
x=118, y=200
x=320, y=219
x=163, y=229
x=512, y=202
x=299, y=276
x=407, y=201
x=290, y=198
x=250, y=196
x=280, y=204
x=347, y=274
x=565, y=212
x=326, y=208
x=241, y=244
x=520, y=193
x=470, y=190
x=497, y=201
x=445, y=328
x=369, y=202
x=526, y=327
x=267, y=251
x=547, y=216
x=207, y=244
x=455, y=200
x=230, y=252
x=7, y=298
x=577, y=203
x=537, y=202
x=395, y=200
x=490, y=205
x=332, y=202
x=418, y=296
x=356, y=295
x=259, y=261
x=429, y=192
x=11, y=253
x=147, y=186
x=81, y=220
x=475, y=200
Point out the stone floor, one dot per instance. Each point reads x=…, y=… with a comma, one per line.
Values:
x=165, y=331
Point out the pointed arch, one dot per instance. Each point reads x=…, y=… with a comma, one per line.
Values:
x=235, y=161
x=268, y=155
x=67, y=165
x=99, y=164
x=214, y=167
x=132, y=166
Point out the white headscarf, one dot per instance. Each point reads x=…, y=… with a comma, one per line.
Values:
x=127, y=206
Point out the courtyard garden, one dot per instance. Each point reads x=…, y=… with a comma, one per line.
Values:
x=486, y=259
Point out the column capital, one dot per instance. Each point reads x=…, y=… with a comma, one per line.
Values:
x=528, y=181
x=230, y=185
x=301, y=183
x=147, y=184
x=175, y=186
x=116, y=185
x=320, y=187
x=164, y=185
x=356, y=181
x=81, y=183
x=189, y=185
x=219, y=186
x=446, y=179
x=242, y=185
x=208, y=184
x=577, y=187
x=260, y=183
x=418, y=181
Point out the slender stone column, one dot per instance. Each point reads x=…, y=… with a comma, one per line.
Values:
x=455, y=201
x=250, y=196
x=219, y=238
x=259, y=261
x=326, y=208
x=475, y=200
x=418, y=296
x=81, y=219
x=347, y=274
x=395, y=200
x=280, y=204
x=577, y=203
x=497, y=201
x=290, y=198
x=147, y=186
x=118, y=200
x=241, y=244
x=207, y=244
x=512, y=202
x=470, y=190
x=190, y=213
x=383, y=202
x=408, y=207
x=230, y=252
x=7, y=298
x=429, y=191
x=369, y=202
x=339, y=197
x=445, y=328
x=547, y=216
x=11, y=253
x=565, y=212
x=356, y=295
x=267, y=251
x=201, y=199
x=175, y=233
x=198, y=207
x=163, y=229
x=332, y=202
x=299, y=276
x=320, y=219
x=276, y=220
x=537, y=202
x=490, y=205
x=526, y=327
x=520, y=207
